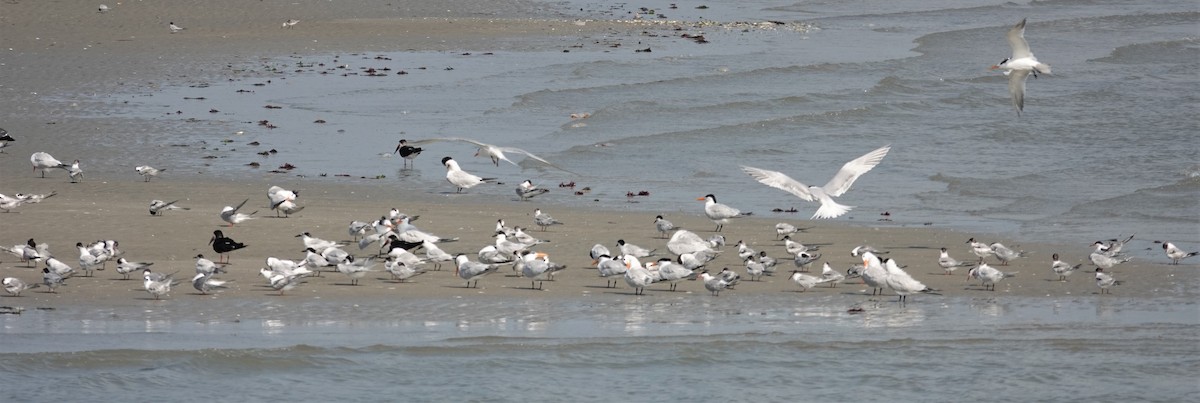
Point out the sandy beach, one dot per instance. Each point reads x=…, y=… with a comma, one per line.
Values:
x=51, y=52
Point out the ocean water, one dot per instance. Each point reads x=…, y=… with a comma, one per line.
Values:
x=1105, y=147
x=1102, y=148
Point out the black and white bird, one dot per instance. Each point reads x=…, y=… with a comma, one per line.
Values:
x=43, y=161
x=174, y=28
x=472, y=271
x=527, y=190
x=223, y=245
x=231, y=215
x=1175, y=254
x=663, y=226
x=14, y=286
x=409, y=153
x=544, y=220
x=1020, y=65
x=206, y=284
x=1104, y=281
x=720, y=213
x=159, y=207
x=147, y=171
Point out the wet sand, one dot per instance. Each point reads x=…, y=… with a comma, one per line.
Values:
x=63, y=50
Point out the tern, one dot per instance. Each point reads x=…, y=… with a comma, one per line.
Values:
x=355, y=269
x=1063, y=269
x=231, y=215
x=980, y=249
x=147, y=171
x=409, y=153
x=631, y=249
x=125, y=267
x=283, y=200
x=684, y=241
x=831, y=276
x=174, y=28
x=901, y=282
x=754, y=269
x=989, y=275
x=472, y=271
x=720, y=213
x=1174, y=253
x=460, y=178
x=75, y=172
x=948, y=263
x=159, y=207
x=1103, y=280
x=14, y=286
x=544, y=220
x=43, y=161
x=401, y=271
x=527, y=190
x=157, y=286
x=52, y=280
x=538, y=268
x=206, y=284
x=4, y=139
x=34, y=198
x=874, y=275
x=837, y=186
x=636, y=275
x=1020, y=65
x=290, y=23
x=784, y=229
x=663, y=226
x=610, y=268
x=1005, y=254
x=495, y=152
x=714, y=284
x=805, y=281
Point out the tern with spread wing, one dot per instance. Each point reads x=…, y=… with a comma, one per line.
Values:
x=836, y=186
x=1020, y=65
x=495, y=152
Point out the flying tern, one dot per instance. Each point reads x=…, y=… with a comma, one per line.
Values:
x=837, y=186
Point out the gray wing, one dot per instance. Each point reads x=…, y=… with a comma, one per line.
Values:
x=1016, y=39
x=1016, y=87
x=779, y=181
x=850, y=172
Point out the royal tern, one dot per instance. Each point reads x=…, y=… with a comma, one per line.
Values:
x=356, y=269
x=673, y=272
x=527, y=190
x=460, y=178
x=1174, y=253
x=125, y=267
x=948, y=263
x=1020, y=65
x=631, y=249
x=159, y=207
x=989, y=276
x=174, y=28
x=283, y=200
x=223, y=245
x=472, y=271
x=206, y=284
x=52, y=280
x=14, y=286
x=544, y=220
x=637, y=276
x=610, y=268
x=831, y=276
x=720, y=213
x=496, y=153
x=597, y=251
x=43, y=161
x=231, y=215
x=156, y=285
x=1103, y=280
x=491, y=255
x=874, y=275
x=409, y=153
x=436, y=255
x=663, y=226
x=1005, y=254
x=75, y=172
x=837, y=186
x=538, y=268
x=901, y=282
x=714, y=284
x=1063, y=269
x=684, y=241
x=147, y=171
x=695, y=260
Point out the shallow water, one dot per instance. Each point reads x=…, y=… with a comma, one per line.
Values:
x=660, y=347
